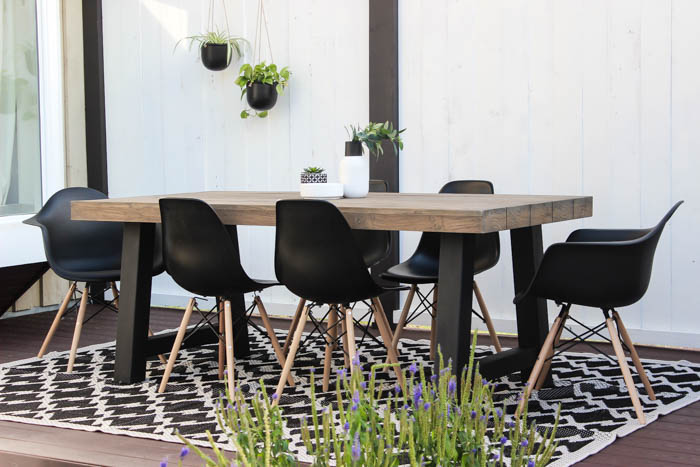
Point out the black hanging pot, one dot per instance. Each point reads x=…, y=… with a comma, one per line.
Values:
x=353, y=148
x=215, y=57
x=261, y=96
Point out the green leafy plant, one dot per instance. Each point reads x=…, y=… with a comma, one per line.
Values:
x=314, y=170
x=374, y=134
x=261, y=73
x=423, y=421
x=237, y=45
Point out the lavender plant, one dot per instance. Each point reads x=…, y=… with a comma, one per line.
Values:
x=424, y=421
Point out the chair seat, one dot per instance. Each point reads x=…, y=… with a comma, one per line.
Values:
x=421, y=272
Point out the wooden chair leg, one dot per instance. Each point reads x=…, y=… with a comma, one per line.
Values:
x=344, y=330
x=289, y=362
x=622, y=361
x=230, y=362
x=56, y=320
x=635, y=357
x=273, y=337
x=160, y=356
x=404, y=316
x=433, y=323
x=350, y=335
x=330, y=343
x=115, y=294
x=222, y=347
x=487, y=318
x=293, y=326
x=548, y=363
x=541, y=358
x=385, y=331
x=78, y=327
x=176, y=346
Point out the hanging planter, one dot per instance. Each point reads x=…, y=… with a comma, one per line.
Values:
x=216, y=47
x=262, y=83
x=261, y=96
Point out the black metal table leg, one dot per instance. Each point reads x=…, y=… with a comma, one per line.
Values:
x=241, y=342
x=455, y=298
x=531, y=313
x=134, y=303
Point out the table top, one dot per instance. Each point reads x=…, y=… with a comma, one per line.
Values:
x=378, y=211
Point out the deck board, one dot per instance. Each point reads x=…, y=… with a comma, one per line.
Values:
x=672, y=440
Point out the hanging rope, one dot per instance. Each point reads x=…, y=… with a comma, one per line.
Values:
x=211, y=17
x=261, y=22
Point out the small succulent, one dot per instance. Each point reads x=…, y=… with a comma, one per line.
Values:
x=314, y=170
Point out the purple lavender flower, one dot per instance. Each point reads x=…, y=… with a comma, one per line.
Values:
x=363, y=385
x=356, y=360
x=356, y=447
x=473, y=414
x=452, y=386
x=183, y=453
x=530, y=463
x=504, y=440
x=341, y=373
x=405, y=406
x=397, y=389
x=417, y=393
x=494, y=456
x=499, y=413
x=413, y=368
x=433, y=378
x=356, y=397
x=164, y=462
x=274, y=396
x=482, y=418
x=524, y=443
x=347, y=427
x=426, y=406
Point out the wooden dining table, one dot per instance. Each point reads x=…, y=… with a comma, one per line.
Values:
x=459, y=218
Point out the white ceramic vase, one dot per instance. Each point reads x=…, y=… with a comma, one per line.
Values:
x=354, y=171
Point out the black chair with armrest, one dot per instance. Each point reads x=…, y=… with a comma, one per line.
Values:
x=599, y=268
x=82, y=251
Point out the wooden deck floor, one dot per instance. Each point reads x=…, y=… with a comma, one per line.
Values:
x=674, y=440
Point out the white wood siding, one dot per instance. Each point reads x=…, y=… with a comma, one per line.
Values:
x=173, y=126
x=592, y=97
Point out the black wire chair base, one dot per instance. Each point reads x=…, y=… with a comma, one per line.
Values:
x=582, y=337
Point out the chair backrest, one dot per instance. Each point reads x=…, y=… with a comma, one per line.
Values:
x=68, y=242
x=644, y=248
x=374, y=244
x=200, y=252
x=316, y=255
x=488, y=246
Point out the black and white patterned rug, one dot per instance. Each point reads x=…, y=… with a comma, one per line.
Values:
x=595, y=406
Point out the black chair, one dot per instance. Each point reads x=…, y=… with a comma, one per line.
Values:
x=605, y=269
x=82, y=251
x=375, y=246
x=423, y=266
x=201, y=254
x=317, y=258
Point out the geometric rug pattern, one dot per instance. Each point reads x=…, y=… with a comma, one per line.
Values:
x=595, y=406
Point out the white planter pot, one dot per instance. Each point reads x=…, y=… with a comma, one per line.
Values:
x=354, y=175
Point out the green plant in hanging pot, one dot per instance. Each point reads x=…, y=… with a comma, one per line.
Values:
x=217, y=48
x=261, y=84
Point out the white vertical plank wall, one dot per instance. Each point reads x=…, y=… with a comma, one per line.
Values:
x=590, y=97
x=173, y=126
x=540, y=96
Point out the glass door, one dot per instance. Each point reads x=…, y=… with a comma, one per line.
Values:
x=20, y=149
